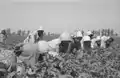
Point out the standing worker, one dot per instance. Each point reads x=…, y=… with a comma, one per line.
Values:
x=35, y=36
x=90, y=34
x=3, y=36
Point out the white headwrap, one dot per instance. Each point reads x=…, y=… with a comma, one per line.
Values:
x=86, y=38
x=79, y=34
x=40, y=28
x=89, y=33
x=65, y=36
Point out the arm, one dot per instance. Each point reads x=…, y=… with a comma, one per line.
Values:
x=69, y=47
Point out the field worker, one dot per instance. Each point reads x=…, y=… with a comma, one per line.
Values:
x=86, y=43
x=95, y=42
x=77, y=40
x=98, y=41
x=35, y=36
x=90, y=34
x=32, y=53
x=103, y=41
x=66, y=40
x=3, y=36
x=109, y=41
x=79, y=35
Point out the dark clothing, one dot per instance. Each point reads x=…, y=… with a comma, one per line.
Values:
x=87, y=46
x=40, y=34
x=18, y=51
x=41, y=57
x=2, y=66
x=98, y=43
x=79, y=38
x=108, y=42
x=91, y=36
x=64, y=46
x=76, y=44
x=3, y=32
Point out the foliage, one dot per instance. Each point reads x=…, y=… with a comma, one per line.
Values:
x=102, y=63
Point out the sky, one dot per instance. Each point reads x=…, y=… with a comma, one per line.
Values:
x=60, y=15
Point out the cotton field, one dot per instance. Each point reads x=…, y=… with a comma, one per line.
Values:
x=97, y=62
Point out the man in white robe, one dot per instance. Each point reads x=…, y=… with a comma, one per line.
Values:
x=35, y=36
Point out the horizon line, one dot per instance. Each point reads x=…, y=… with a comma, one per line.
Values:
x=29, y=1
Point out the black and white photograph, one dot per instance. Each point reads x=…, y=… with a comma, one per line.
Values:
x=59, y=38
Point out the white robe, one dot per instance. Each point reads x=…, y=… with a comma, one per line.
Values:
x=54, y=44
x=93, y=43
x=54, y=47
x=103, y=40
x=31, y=37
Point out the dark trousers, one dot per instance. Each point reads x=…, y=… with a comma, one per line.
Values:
x=64, y=46
x=87, y=46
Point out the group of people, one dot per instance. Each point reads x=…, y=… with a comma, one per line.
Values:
x=78, y=38
x=34, y=47
x=66, y=42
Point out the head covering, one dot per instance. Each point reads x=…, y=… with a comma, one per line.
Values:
x=53, y=43
x=89, y=33
x=40, y=28
x=79, y=34
x=74, y=34
x=104, y=38
x=86, y=38
x=98, y=37
x=65, y=36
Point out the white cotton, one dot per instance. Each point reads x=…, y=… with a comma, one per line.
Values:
x=54, y=44
x=98, y=37
x=103, y=39
x=103, y=44
x=53, y=53
x=30, y=71
x=43, y=46
x=79, y=34
x=20, y=70
x=93, y=43
x=82, y=41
